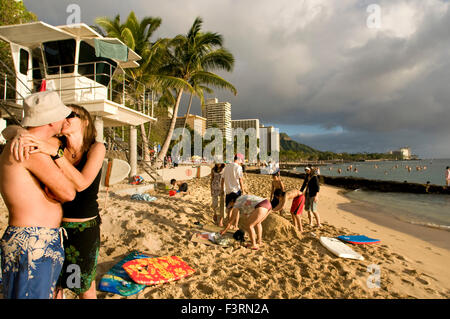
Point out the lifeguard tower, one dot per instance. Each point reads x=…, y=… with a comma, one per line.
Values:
x=84, y=67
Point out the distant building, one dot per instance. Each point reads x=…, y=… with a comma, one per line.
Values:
x=270, y=138
x=246, y=124
x=195, y=122
x=218, y=114
x=404, y=153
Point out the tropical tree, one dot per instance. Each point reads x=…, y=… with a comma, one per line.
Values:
x=136, y=35
x=193, y=57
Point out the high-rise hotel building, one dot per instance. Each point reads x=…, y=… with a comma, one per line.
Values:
x=218, y=114
x=246, y=124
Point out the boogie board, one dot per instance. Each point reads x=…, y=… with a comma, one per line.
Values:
x=114, y=171
x=152, y=271
x=359, y=240
x=339, y=248
x=117, y=281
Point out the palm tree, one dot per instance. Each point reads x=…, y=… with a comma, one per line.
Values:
x=193, y=57
x=136, y=35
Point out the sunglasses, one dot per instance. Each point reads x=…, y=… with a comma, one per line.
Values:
x=72, y=115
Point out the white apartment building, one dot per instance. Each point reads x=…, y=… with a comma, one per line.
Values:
x=195, y=122
x=218, y=114
x=269, y=138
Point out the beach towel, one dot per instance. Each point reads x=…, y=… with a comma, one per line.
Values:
x=143, y=197
x=213, y=239
x=152, y=271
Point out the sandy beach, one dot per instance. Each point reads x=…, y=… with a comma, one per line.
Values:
x=290, y=265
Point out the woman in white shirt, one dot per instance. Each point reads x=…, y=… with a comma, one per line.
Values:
x=254, y=209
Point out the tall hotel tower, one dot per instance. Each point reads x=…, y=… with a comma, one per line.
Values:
x=218, y=114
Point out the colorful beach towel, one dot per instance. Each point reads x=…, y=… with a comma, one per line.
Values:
x=152, y=271
x=117, y=281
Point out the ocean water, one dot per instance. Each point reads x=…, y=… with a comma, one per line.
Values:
x=424, y=209
x=432, y=170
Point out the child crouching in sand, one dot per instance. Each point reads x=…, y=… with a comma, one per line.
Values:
x=255, y=210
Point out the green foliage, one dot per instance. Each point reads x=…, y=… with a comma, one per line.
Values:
x=291, y=151
x=12, y=12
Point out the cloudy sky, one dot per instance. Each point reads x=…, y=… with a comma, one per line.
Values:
x=344, y=76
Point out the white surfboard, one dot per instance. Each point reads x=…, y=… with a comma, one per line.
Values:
x=119, y=171
x=339, y=248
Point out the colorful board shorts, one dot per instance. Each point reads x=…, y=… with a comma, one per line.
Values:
x=81, y=250
x=297, y=205
x=31, y=259
x=310, y=205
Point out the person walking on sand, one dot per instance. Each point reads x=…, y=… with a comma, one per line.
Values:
x=447, y=176
x=32, y=251
x=217, y=193
x=233, y=181
x=255, y=210
x=81, y=163
x=311, y=190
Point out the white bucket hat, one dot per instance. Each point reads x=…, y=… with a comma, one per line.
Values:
x=43, y=108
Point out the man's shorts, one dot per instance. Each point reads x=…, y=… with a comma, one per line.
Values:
x=297, y=205
x=310, y=205
x=32, y=258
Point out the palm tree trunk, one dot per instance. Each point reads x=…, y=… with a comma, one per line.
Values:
x=165, y=147
x=187, y=113
x=146, y=150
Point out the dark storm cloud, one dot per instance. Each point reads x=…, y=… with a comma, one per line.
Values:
x=318, y=63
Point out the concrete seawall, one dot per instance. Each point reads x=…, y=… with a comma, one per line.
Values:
x=368, y=184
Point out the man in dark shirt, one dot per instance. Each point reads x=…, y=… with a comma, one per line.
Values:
x=311, y=183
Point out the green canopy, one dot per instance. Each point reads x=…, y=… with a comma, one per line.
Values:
x=110, y=50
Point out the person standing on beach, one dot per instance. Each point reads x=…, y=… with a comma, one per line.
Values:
x=276, y=184
x=81, y=162
x=217, y=193
x=311, y=190
x=233, y=181
x=447, y=176
x=32, y=251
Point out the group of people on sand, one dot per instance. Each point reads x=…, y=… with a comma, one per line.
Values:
x=50, y=171
x=231, y=201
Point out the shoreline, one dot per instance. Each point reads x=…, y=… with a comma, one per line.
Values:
x=384, y=217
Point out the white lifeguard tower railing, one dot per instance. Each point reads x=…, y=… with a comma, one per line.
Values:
x=84, y=67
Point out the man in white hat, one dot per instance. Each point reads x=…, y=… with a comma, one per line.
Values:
x=32, y=251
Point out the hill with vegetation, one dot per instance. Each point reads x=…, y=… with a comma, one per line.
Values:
x=291, y=151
